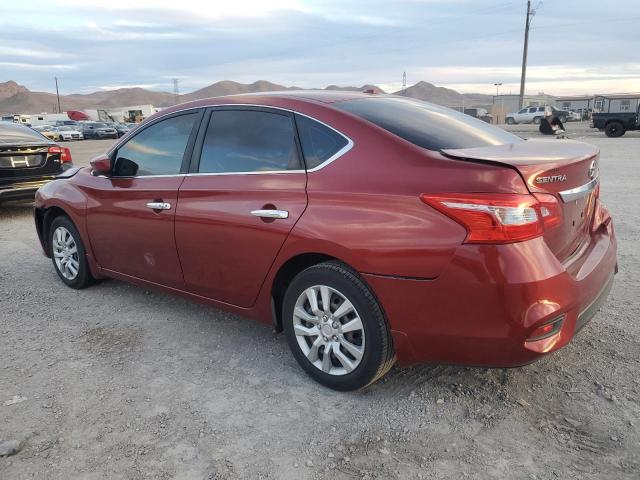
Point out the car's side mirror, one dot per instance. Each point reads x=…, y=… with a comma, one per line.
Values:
x=125, y=168
x=101, y=165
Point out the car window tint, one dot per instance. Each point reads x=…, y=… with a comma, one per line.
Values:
x=248, y=141
x=319, y=142
x=425, y=124
x=532, y=110
x=524, y=110
x=14, y=133
x=159, y=148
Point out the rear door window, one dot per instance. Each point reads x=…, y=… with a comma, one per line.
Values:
x=319, y=142
x=240, y=141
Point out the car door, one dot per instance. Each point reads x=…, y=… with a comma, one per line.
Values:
x=521, y=116
x=131, y=213
x=245, y=192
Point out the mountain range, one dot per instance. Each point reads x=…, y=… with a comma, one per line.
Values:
x=15, y=98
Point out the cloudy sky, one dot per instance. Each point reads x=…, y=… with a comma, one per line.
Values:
x=576, y=46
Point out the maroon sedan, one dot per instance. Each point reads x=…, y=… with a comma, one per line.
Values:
x=369, y=228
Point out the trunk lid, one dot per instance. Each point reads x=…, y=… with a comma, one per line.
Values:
x=566, y=169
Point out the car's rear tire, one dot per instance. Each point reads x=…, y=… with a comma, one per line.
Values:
x=537, y=120
x=510, y=121
x=351, y=327
x=563, y=118
x=614, y=129
x=68, y=253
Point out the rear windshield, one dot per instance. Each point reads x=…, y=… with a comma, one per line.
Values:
x=427, y=125
x=12, y=133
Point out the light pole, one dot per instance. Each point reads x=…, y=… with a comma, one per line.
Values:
x=497, y=85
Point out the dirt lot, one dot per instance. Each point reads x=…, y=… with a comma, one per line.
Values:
x=116, y=382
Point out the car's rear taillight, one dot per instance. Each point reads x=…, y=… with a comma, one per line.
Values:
x=497, y=218
x=64, y=152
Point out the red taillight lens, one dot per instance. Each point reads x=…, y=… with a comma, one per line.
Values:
x=64, y=152
x=491, y=218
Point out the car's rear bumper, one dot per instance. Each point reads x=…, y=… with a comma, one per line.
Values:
x=22, y=190
x=484, y=307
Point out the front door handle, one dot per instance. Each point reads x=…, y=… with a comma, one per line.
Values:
x=270, y=213
x=159, y=206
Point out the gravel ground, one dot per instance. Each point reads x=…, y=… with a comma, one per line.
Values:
x=116, y=382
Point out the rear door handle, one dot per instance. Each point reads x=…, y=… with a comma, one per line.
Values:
x=159, y=206
x=270, y=213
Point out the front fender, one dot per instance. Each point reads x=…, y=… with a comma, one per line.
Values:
x=62, y=196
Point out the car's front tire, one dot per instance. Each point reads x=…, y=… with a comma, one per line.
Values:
x=510, y=121
x=68, y=253
x=335, y=328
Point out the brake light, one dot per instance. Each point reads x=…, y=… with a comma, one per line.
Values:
x=497, y=218
x=64, y=152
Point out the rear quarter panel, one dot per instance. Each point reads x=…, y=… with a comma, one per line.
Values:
x=365, y=207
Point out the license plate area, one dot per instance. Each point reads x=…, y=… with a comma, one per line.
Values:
x=21, y=161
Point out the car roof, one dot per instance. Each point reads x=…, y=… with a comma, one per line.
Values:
x=279, y=99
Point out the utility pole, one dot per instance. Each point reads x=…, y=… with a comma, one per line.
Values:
x=497, y=85
x=527, y=24
x=58, y=95
x=404, y=82
x=176, y=91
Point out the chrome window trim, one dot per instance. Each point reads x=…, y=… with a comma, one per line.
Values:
x=578, y=192
x=329, y=160
x=169, y=175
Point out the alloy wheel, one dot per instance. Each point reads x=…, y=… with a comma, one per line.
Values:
x=329, y=330
x=65, y=253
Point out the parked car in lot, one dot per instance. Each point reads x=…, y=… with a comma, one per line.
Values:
x=28, y=160
x=536, y=114
x=369, y=228
x=573, y=116
x=121, y=128
x=616, y=124
x=68, y=133
x=71, y=123
x=98, y=130
x=48, y=131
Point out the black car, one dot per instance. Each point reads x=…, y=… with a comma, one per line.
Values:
x=28, y=160
x=98, y=130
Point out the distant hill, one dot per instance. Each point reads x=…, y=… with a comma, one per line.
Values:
x=228, y=87
x=444, y=96
x=363, y=88
x=15, y=98
x=122, y=97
